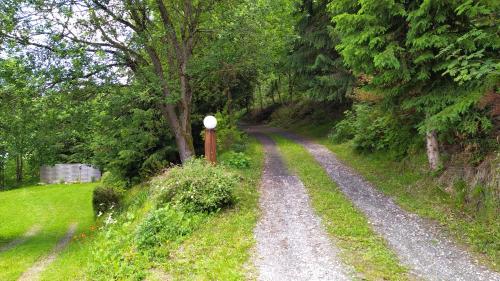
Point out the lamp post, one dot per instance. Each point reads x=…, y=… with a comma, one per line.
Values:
x=210, y=141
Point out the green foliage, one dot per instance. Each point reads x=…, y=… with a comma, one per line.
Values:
x=164, y=226
x=106, y=198
x=434, y=60
x=151, y=233
x=229, y=137
x=318, y=69
x=238, y=160
x=372, y=129
x=114, y=256
x=130, y=137
x=344, y=130
x=196, y=187
x=110, y=179
x=474, y=54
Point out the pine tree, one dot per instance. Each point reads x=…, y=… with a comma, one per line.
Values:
x=400, y=45
x=317, y=67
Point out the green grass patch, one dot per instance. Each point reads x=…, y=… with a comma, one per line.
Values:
x=221, y=248
x=360, y=246
x=410, y=184
x=53, y=208
x=217, y=249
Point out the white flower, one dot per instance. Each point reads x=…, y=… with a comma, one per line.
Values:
x=110, y=220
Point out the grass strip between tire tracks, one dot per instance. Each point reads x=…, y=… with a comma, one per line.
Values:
x=360, y=247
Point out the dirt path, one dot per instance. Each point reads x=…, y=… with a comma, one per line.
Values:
x=419, y=244
x=33, y=273
x=291, y=244
x=30, y=233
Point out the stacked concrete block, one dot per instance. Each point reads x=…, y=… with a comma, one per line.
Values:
x=69, y=173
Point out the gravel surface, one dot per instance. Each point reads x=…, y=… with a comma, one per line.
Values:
x=30, y=233
x=33, y=273
x=419, y=243
x=291, y=243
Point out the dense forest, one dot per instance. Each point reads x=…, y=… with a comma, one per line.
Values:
x=403, y=92
x=123, y=85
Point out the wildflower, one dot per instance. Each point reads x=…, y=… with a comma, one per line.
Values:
x=110, y=220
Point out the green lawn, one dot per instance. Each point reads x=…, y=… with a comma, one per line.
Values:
x=410, y=184
x=360, y=246
x=53, y=208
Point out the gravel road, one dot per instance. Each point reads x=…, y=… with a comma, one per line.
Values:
x=419, y=243
x=291, y=243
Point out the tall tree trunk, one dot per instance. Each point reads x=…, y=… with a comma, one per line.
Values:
x=229, y=103
x=272, y=97
x=278, y=83
x=19, y=169
x=433, y=150
x=2, y=175
x=178, y=115
x=261, y=98
x=290, y=87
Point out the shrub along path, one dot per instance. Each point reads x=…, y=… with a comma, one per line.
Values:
x=419, y=243
x=291, y=243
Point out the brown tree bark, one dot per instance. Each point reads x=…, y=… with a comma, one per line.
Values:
x=278, y=90
x=19, y=169
x=261, y=99
x=229, y=104
x=433, y=150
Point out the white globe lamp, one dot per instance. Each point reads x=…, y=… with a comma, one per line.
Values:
x=210, y=122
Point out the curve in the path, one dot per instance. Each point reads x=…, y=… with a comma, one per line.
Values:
x=291, y=243
x=33, y=273
x=419, y=244
x=30, y=233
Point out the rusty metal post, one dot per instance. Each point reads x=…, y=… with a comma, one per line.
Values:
x=210, y=146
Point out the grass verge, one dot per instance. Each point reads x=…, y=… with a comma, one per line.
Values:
x=221, y=248
x=413, y=188
x=53, y=208
x=360, y=246
x=218, y=249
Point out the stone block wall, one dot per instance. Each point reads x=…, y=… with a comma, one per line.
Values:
x=69, y=173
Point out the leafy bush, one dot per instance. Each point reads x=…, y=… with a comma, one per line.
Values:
x=229, y=137
x=284, y=116
x=164, y=225
x=112, y=179
x=344, y=129
x=373, y=129
x=105, y=198
x=237, y=160
x=197, y=187
x=114, y=255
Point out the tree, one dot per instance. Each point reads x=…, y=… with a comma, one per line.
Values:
x=399, y=47
x=153, y=40
x=18, y=115
x=317, y=67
